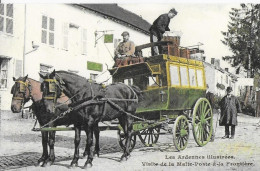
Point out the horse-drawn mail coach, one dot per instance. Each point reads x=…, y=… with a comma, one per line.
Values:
x=174, y=91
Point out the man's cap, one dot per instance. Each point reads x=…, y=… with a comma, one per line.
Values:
x=173, y=11
x=229, y=89
x=125, y=33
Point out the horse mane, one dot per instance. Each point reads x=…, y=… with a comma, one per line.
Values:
x=76, y=75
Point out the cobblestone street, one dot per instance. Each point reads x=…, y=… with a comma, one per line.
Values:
x=21, y=148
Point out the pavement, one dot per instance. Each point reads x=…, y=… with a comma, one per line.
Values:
x=20, y=148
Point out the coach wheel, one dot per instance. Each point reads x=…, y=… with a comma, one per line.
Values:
x=149, y=136
x=122, y=139
x=202, y=122
x=181, y=132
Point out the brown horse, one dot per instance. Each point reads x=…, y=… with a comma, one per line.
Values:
x=121, y=102
x=25, y=89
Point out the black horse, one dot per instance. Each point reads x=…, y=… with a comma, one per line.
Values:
x=114, y=101
x=25, y=89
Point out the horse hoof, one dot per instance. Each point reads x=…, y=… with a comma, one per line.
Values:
x=123, y=159
x=88, y=165
x=44, y=164
x=49, y=163
x=73, y=165
x=40, y=163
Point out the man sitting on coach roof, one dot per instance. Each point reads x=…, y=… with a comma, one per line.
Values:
x=124, y=51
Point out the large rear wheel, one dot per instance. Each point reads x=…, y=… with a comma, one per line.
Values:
x=202, y=121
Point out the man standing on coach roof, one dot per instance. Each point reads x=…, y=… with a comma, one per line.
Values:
x=160, y=25
x=229, y=106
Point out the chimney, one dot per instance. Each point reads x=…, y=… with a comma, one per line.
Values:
x=226, y=69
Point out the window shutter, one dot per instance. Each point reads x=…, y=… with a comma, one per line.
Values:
x=18, y=68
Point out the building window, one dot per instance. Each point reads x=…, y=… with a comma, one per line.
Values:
x=93, y=76
x=3, y=73
x=6, y=18
x=65, y=36
x=84, y=41
x=44, y=69
x=48, y=28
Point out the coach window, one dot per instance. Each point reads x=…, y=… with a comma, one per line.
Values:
x=174, y=73
x=200, y=77
x=184, y=76
x=192, y=76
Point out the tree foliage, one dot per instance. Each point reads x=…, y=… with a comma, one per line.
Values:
x=243, y=36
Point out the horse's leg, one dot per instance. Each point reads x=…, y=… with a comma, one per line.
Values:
x=51, y=146
x=96, y=133
x=76, y=142
x=44, y=157
x=126, y=123
x=85, y=152
x=90, y=126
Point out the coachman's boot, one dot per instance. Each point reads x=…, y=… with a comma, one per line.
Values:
x=232, y=137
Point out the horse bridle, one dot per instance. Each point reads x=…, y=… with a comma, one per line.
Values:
x=53, y=83
x=22, y=89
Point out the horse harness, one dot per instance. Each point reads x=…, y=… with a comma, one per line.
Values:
x=93, y=100
x=22, y=89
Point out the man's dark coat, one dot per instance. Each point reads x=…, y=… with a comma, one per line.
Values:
x=160, y=25
x=229, y=106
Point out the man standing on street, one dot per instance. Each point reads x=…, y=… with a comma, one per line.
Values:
x=124, y=51
x=160, y=25
x=229, y=106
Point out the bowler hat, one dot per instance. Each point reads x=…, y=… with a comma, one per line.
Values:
x=173, y=11
x=125, y=33
x=229, y=89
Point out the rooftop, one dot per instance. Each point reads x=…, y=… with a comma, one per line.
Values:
x=120, y=15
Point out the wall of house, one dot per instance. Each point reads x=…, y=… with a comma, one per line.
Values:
x=216, y=76
x=11, y=47
x=73, y=59
x=56, y=57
